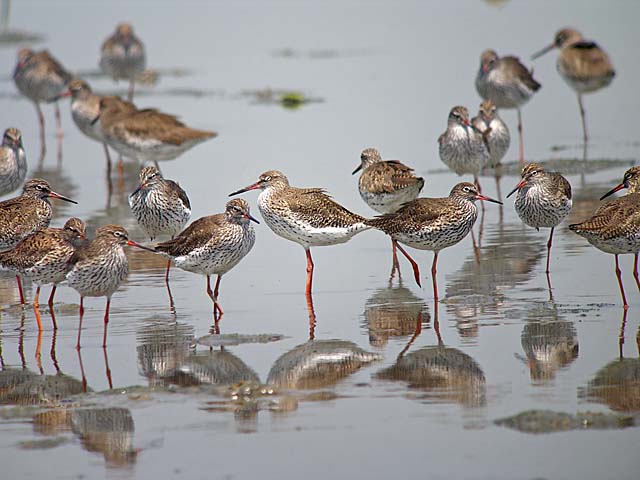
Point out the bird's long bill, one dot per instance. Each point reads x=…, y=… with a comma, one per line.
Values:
x=543, y=51
x=488, y=199
x=613, y=190
x=249, y=217
x=255, y=186
x=131, y=243
x=518, y=187
x=65, y=94
x=140, y=187
x=95, y=120
x=61, y=197
x=358, y=168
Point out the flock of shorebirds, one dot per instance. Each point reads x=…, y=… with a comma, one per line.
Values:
x=214, y=244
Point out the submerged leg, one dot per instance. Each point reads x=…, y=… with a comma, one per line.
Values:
x=309, y=271
x=396, y=265
x=414, y=265
x=619, y=275
x=20, y=291
x=80, y=324
x=36, y=309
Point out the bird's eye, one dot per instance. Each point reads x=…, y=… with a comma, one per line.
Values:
x=466, y=189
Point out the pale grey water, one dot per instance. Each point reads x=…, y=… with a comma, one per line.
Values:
x=387, y=73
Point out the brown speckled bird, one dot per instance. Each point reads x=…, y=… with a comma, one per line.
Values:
x=385, y=185
x=307, y=216
x=99, y=267
x=147, y=135
x=615, y=226
x=433, y=223
x=507, y=83
x=495, y=131
x=213, y=245
x=543, y=200
x=23, y=215
x=160, y=206
x=582, y=64
x=123, y=56
x=44, y=256
x=13, y=161
x=41, y=78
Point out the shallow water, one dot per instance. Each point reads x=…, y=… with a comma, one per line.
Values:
x=386, y=389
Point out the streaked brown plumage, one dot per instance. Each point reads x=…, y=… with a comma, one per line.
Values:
x=99, y=267
x=433, y=223
x=41, y=78
x=307, y=216
x=44, y=257
x=147, y=135
x=615, y=226
x=582, y=64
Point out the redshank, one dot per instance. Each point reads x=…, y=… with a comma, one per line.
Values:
x=44, y=257
x=160, y=206
x=99, y=267
x=147, y=135
x=582, y=64
x=433, y=223
x=463, y=148
x=85, y=109
x=495, y=131
x=123, y=56
x=213, y=245
x=13, y=161
x=385, y=185
x=23, y=215
x=507, y=83
x=41, y=78
x=307, y=216
x=543, y=200
x=615, y=226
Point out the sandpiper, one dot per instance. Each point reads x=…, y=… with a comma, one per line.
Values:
x=41, y=78
x=507, y=83
x=385, y=185
x=99, y=267
x=123, y=56
x=160, y=206
x=433, y=223
x=21, y=216
x=615, y=226
x=13, y=161
x=543, y=200
x=85, y=110
x=213, y=245
x=463, y=148
x=307, y=216
x=495, y=131
x=582, y=64
x=147, y=135
x=44, y=256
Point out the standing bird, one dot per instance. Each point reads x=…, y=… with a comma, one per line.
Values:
x=41, y=78
x=213, y=245
x=615, y=226
x=99, y=267
x=582, y=64
x=160, y=206
x=122, y=56
x=385, y=185
x=146, y=135
x=307, y=216
x=23, y=215
x=507, y=83
x=463, y=148
x=13, y=161
x=543, y=200
x=433, y=223
x=495, y=131
x=85, y=110
x=44, y=257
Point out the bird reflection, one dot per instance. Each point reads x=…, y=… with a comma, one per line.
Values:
x=392, y=312
x=480, y=288
x=24, y=387
x=317, y=364
x=108, y=431
x=549, y=343
x=445, y=374
x=616, y=385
